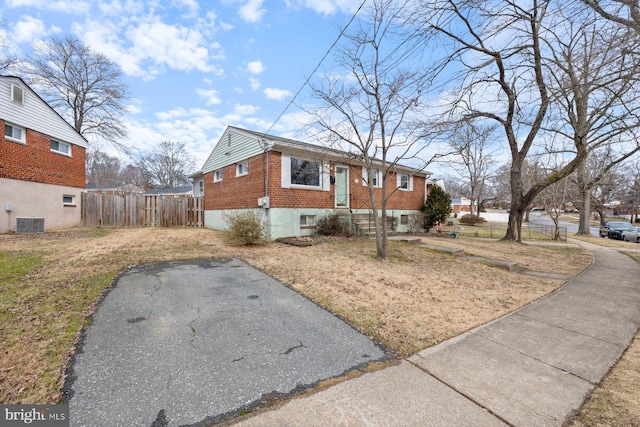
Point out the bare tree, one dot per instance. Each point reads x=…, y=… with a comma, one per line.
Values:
x=168, y=166
x=6, y=60
x=103, y=170
x=593, y=80
x=474, y=162
x=83, y=86
x=625, y=12
x=497, y=45
x=368, y=106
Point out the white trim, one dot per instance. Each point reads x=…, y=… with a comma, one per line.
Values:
x=60, y=143
x=365, y=178
x=22, y=140
x=409, y=181
x=215, y=175
x=335, y=196
x=72, y=202
x=239, y=167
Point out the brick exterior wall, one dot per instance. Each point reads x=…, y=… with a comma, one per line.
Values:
x=243, y=192
x=35, y=162
x=236, y=192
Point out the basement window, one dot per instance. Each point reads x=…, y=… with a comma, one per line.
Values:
x=68, y=200
x=307, y=221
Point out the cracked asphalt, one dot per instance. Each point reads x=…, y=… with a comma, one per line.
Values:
x=187, y=343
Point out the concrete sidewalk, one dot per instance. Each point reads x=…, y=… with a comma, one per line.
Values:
x=531, y=368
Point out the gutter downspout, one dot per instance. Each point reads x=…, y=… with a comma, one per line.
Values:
x=265, y=199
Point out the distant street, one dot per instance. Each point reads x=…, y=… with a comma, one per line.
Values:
x=571, y=227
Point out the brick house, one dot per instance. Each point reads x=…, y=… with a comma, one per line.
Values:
x=293, y=183
x=42, y=162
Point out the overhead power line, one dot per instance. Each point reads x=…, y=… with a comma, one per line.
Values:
x=306, y=82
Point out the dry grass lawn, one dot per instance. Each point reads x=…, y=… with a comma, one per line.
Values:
x=416, y=299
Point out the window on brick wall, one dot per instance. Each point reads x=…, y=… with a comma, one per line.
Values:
x=60, y=147
x=242, y=168
x=405, y=182
x=217, y=176
x=305, y=172
x=13, y=132
x=375, y=178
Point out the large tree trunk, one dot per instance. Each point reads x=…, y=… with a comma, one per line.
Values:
x=584, y=194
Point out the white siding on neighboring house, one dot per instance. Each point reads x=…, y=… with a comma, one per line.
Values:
x=34, y=113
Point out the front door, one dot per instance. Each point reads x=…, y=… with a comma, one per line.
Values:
x=342, y=187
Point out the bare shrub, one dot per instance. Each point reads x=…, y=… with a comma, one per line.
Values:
x=245, y=228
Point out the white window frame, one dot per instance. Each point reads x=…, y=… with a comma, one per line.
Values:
x=201, y=187
x=320, y=168
x=60, y=144
x=217, y=175
x=69, y=203
x=242, y=168
x=409, y=182
x=365, y=178
x=23, y=133
x=17, y=90
x=307, y=221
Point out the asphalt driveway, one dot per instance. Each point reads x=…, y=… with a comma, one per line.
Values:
x=184, y=343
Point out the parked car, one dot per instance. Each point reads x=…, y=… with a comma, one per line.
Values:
x=614, y=229
x=631, y=235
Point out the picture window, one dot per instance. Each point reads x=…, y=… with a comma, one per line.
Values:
x=305, y=172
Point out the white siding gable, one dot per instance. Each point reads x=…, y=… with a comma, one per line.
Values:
x=34, y=113
x=233, y=147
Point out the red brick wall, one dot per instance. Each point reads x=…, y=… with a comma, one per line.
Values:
x=36, y=163
x=294, y=197
x=243, y=192
x=235, y=192
x=406, y=200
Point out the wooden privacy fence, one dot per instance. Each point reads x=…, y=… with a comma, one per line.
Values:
x=112, y=210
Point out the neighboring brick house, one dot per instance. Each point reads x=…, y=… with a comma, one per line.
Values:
x=42, y=161
x=294, y=183
x=462, y=205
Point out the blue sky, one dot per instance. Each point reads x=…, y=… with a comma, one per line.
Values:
x=194, y=67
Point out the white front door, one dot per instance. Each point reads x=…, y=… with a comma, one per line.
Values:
x=342, y=187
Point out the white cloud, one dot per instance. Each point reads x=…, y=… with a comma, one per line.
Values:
x=255, y=67
x=28, y=30
x=255, y=84
x=252, y=10
x=77, y=7
x=276, y=94
x=326, y=7
x=212, y=96
x=152, y=45
x=245, y=110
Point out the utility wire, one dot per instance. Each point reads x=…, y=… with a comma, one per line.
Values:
x=317, y=67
